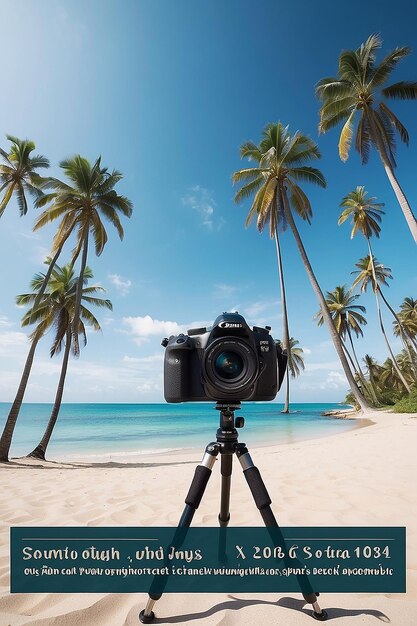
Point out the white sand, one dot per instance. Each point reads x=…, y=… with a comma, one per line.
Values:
x=366, y=476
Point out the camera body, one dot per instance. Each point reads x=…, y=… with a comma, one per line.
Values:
x=228, y=362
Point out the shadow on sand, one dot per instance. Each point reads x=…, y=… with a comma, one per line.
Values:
x=26, y=463
x=235, y=604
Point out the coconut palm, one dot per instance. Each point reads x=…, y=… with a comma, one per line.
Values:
x=59, y=305
x=371, y=272
x=407, y=366
x=408, y=318
x=34, y=338
x=295, y=363
x=18, y=173
x=373, y=370
x=365, y=215
x=347, y=318
x=273, y=182
x=81, y=204
x=390, y=379
x=359, y=90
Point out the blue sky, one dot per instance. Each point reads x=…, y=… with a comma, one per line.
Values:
x=166, y=91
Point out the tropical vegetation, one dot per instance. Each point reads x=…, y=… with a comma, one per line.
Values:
x=358, y=93
x=280, y=164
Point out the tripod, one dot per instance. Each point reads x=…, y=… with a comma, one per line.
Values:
x=227, y=445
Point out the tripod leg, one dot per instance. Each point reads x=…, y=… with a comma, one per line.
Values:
x=226, y=472
x=192, y=501
x=263, y=502
x=224, y=515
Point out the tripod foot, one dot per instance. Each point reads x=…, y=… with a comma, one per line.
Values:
x=321, y=617
x=146, y=619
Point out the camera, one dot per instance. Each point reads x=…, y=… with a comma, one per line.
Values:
x=228, y=362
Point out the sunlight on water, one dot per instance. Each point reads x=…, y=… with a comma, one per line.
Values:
x=124, y=430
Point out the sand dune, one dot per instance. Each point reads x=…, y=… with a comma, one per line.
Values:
x=364, y=477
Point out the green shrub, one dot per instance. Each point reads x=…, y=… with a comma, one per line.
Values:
x=408, y=404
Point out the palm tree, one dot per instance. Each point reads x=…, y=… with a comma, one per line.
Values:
x=58, y=304
x=295, y=363
x=408, y=320
x=273, y=214
x=34, y=338
x=347, y=318
x=390, y=379
x=407, y=366
x=18, y=173
x=371, y=272
x=81, y=206
x=373, y=371
x=366, y=214
x=360, y=89
x=280, y=164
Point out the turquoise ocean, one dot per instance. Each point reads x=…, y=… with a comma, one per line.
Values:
x=121, y=432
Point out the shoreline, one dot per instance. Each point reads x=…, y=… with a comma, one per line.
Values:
x=149, y=456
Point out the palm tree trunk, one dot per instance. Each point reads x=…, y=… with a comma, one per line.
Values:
x=285, y=330
x=403, y=202
x=40, y=450
x=405, y=207
x=324, y=308
x=369, y=388
x=7, y=435
x=80, y=283
x=348, y=356
x=381, y=323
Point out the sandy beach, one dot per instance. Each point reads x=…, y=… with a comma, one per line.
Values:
x=366, y=476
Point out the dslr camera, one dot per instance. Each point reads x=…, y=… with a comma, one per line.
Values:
x=228, y=362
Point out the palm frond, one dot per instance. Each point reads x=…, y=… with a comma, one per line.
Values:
x=395, y=121
x=308, y=174
x=250, y=151
x=403, y=90
x=329, y=88
x=249, y=189
x=346, y=137
x=363, y=139
x=386, y=66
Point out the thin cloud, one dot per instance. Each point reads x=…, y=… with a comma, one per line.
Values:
x=122, y=284
x=254, y=309
x=201, y=200
x=224, y=290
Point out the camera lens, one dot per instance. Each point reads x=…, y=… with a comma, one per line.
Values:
x=228, y=364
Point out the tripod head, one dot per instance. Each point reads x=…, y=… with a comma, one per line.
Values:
x=228, y=423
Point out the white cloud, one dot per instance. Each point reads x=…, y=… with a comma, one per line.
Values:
x=122, y=284
x=334, y=380
x=4, y=322
x=142, y=328
x=12, y=343
x=201, y=200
